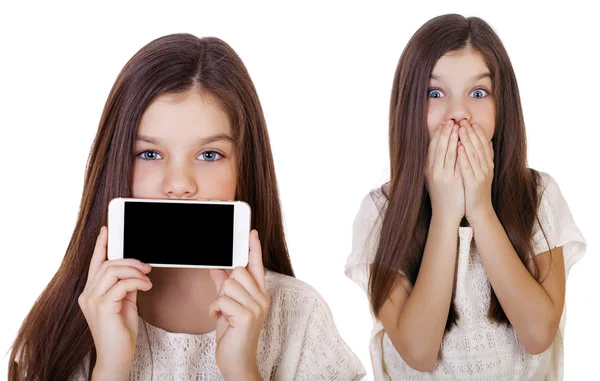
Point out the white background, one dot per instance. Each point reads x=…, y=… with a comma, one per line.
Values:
x=323, y=74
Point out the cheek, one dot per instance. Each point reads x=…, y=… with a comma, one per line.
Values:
x=489, y=131
x=485, y=116
x=218, y=181
x=146, y=180
x=435, y=117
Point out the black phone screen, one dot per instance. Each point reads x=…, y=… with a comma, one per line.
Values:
x=178, y=233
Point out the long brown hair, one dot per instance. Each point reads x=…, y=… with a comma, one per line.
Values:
x=515, y=193
x=54, y=338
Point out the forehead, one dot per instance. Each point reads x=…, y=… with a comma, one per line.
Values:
x=185, y=115
x=461, y=65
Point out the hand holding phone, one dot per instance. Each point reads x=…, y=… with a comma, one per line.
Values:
x=240, y=308
x=179, y=233
x=108, y=303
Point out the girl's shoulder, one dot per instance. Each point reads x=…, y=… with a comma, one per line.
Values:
x=555, y=225
x=301, y=327
x=295, y=303
x=550, y=197
x=546, y=183
x=365, y=235
x=289, y=292
x=372, y=206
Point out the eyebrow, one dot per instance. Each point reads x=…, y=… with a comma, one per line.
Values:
x=202, y=141
x=475, y=78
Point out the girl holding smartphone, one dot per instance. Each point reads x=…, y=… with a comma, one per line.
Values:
x=182, y=121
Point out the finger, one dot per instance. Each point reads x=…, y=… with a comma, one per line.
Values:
x=475, y=141
x=483, y=143
x=457, y=171
x=442, y=146
x=243, y=277
x=465, y=136
x=234, y=312
x=127, y=262
x=433, y=145
x=131, y=297
x=99, y=254
x=237, y=292
x=113, y=275
x=255, y=263
x=465, y=166
x=131, y=262
x=470, y=150
x=218, y=276
x=450, y=161
x=118, y=292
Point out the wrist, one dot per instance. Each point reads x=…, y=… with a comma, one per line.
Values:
x=110, y=371
x=445, y=220
x=103, y=373
x=482, y=216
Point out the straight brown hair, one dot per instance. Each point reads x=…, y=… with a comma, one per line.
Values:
x=54, y=338
x=515, y=193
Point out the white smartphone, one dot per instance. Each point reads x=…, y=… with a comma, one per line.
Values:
x=179, y=233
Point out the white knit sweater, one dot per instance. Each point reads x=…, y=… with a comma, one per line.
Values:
x=477, y=349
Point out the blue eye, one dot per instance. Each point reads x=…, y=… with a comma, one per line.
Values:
x=435, y=93
x=149, y=155
x=211, y=156
x=479, y=93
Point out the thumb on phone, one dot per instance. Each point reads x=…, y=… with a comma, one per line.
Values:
x=255, y=264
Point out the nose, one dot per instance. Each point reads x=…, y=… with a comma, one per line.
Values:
x=457, y=111
x=179, y=182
